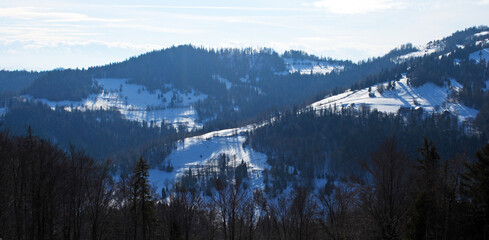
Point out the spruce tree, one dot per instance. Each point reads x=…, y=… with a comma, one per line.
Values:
x=476, y=182
x=423, y=214
x=142, y=201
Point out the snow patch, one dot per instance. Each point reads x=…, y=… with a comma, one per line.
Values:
x=482, y=42
x=480, y=55
x=424, y=50
x=482, y=34
x=304, y=66
x=245, y=79
x=136, y=103
x=3, y=111
x=229, y=84
x=487, y=86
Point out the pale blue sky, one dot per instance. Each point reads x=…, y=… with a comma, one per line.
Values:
x=49, y=34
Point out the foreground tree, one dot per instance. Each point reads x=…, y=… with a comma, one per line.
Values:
x=476, y=182
x=385, y=195
x=178, y=215
x=424, y=212
x=141, y=201
x=336, y=210
x=231, y=202
x=100, y=187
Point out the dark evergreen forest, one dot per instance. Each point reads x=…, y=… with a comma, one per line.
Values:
x=333, y=143
x=101, y=134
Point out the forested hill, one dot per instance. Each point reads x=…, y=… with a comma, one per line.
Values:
x=241, y=83
x=206, y=70
x=14, y=81
x=430, y=92
x=193, y=88
x=438, y=91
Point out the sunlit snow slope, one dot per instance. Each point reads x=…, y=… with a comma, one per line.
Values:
x=430, y=97
x=423, y=50
x=480, y=55
x=136, y=103
x=305, y=66
x=200, y=151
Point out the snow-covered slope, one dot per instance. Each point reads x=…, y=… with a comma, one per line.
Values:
x=480, y=55
x=306, y=66
x=423, y=50
x=430, y=97
x=138, y=104
x=201, y=151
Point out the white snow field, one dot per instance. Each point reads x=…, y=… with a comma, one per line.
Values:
x=430, y=97
x=200, y=151
x=423, y=50
x=136, y=103
x=304, y=66
x=482, y=34
x=480, y=55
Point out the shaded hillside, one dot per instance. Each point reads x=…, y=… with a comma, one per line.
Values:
x=14, y=81
x=100, y=134
x=60, y=85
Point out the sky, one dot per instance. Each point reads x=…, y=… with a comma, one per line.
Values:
x=43, y=35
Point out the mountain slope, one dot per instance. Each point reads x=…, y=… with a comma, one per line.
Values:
x=138, y=104
x=195, y=88
x=429, y=97
x=409, y=88
x=201, y=155
x=239, y=84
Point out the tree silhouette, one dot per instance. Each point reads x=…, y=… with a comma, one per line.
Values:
x=142, y=201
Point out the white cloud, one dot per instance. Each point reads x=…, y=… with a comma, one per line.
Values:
x=224, y=8
x=358, y=6
x=41, y=55
x=69, y=43
x=46, y=15
x=342, y=47
x=153, y=28
x=42, y=34
x=483, y=2
x=262, y=20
